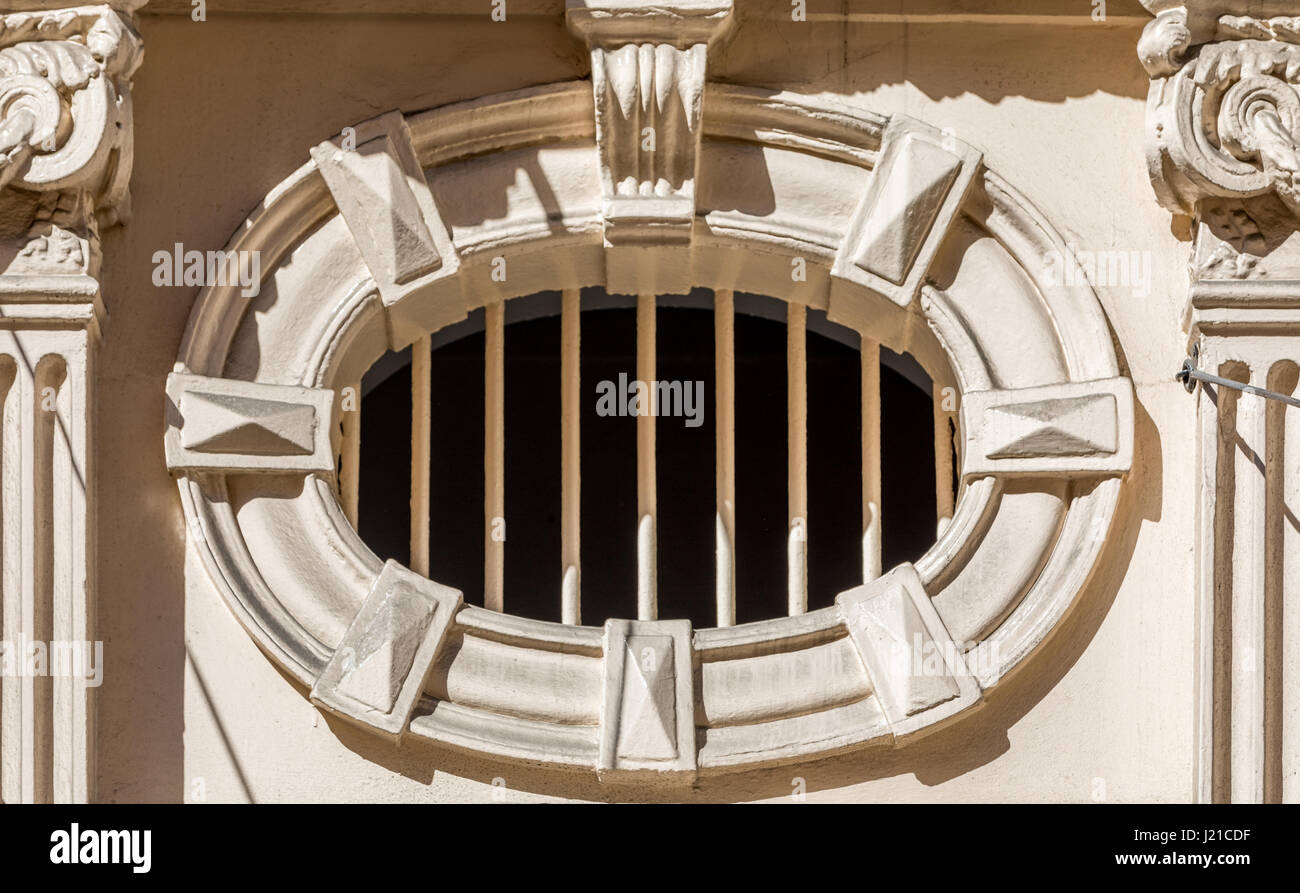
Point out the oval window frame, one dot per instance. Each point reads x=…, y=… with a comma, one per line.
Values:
x=300, y=580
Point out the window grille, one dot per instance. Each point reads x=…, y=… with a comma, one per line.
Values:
x=480, y=348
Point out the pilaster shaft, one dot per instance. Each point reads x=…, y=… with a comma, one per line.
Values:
x=1223, y=148
x=65, y=159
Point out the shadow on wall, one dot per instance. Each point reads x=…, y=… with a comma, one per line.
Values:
x=995, y=50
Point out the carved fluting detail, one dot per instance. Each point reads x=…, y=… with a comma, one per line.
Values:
x=648, y=118
x=1224, y=111
x=647, y=71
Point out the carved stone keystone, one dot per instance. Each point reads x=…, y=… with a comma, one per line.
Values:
x=647, y=75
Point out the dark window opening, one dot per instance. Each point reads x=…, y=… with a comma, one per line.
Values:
x=684, y=460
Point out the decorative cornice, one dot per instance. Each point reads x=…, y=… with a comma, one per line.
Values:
x=65, y=133
x=680, y=23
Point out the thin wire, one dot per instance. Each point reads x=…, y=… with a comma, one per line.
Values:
x=1189, y=372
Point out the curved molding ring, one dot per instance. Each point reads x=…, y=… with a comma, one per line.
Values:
x=515, y=177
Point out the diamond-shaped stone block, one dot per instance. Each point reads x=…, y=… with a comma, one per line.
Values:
x=377, y=672
x=220, y=424
x=379, y=205
x=1065, y=430
x=380, y=659
x=918, y=674
x=912, y=190
x=648, y=711
x=916, y=191
x=383, y=196
x=227, y=423
x=1072, y=426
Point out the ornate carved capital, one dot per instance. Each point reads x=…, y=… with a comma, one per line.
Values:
x=647, y=73
x=1223, y=116
x=65, y=135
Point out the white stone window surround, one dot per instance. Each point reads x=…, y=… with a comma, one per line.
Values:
x=778, y=177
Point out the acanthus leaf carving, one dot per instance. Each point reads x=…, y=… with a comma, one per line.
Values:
x=1223, y=116
x=65, y=129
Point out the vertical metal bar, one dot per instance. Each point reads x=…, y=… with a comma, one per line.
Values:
x=350, y=457
x=570, y=457
x=647, y=560
x=944, y=498
x=871, y=561
x=724, y=362
x=796, y=354
x=494, y=453
x=421, y=447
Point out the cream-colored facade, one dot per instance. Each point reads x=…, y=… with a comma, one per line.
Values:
x=1103, y=615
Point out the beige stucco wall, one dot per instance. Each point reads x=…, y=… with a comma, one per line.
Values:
x=226, y=108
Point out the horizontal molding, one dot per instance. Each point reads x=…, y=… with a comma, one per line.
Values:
x=953, y=12
x=1246, y=294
